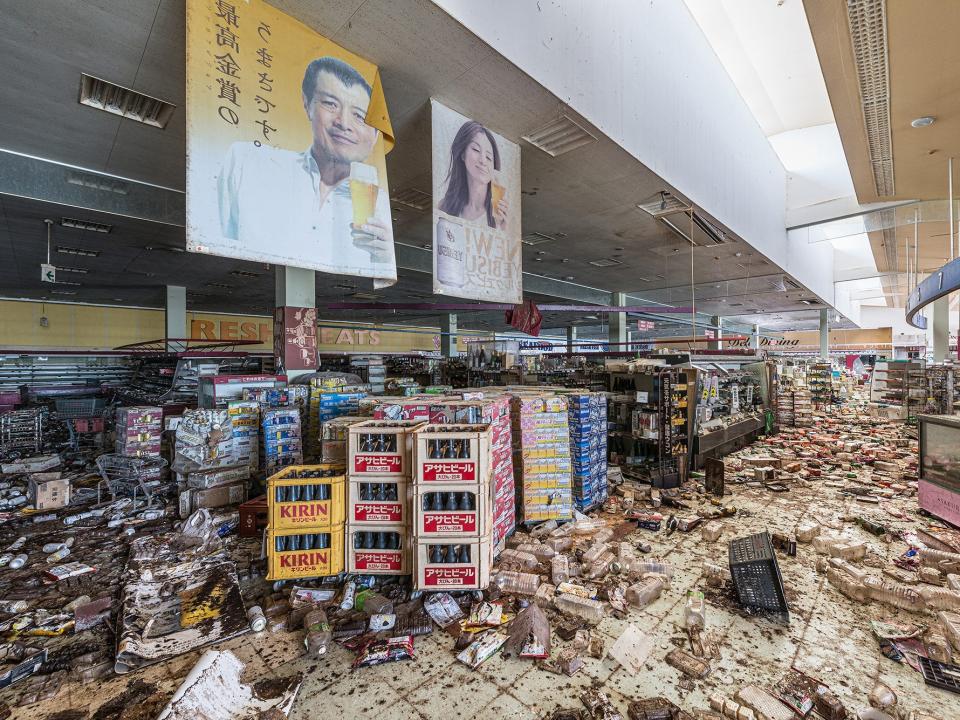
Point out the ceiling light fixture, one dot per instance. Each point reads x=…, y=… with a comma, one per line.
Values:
x=924, y=121
x=118, y=100
x=77, y=251
x=85, y=225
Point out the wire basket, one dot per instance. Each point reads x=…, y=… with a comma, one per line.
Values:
x=69, y=408
x=756, y=575
x=131, y=476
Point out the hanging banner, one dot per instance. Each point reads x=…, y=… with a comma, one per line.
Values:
x=286, y=137
x=476, y=210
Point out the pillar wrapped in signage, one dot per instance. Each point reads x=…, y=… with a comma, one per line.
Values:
x=295, y=339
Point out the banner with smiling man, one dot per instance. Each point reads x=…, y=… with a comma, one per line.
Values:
x=286, y=140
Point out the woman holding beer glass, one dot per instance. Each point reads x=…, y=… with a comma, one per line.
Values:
x=474, y=189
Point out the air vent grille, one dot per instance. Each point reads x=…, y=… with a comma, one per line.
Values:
x=85, y=225
x=559, y=136
x=76, y=271
x=221, y=286
x=663, y=203
x=868, y=32
x=413, y=198
x=77, y=251
x=244, y=274
x=366, y=296
x=117, y=100
x=605, y=262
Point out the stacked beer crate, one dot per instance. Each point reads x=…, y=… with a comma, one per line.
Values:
x=305, y=529
x=330, y=397
x=587, y=413
x=378, y=506
x=245, y=416
x=541, y=439
x=494, y=411
x=282, y=441
x=452, y=499
x=139, y=431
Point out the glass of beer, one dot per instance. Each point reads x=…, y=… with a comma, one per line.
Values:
x=363, y=192
x=497, y=190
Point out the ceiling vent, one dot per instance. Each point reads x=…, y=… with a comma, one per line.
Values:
x=221, y=286
x=664, y=203
x=366, y=296
x=244, y=274
x=77, y=251
x=536, y=238
x=788, y=282
x=85, y=225
x=868, y=34
x=605, y=262
x=713, y=234
x=345, y=286
x=559, y=136
x=117, y=100
x=412, y=198
x=63, y=292
x=67, y=282
x=97, y=182
x=76, y=271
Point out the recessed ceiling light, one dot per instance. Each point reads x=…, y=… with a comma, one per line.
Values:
x=62, y=292
x=538, y=259
x=118, y=299
x=738, y=254
x=118, y=100
x=78, y=271
x=77, y=251
x=923, y=121
x=568, y=277
x=244, y=274
x=85, y=225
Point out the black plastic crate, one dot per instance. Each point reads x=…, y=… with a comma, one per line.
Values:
x=756, y=575
x=941, y=675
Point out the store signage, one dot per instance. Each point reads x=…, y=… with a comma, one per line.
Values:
x=286, y=140
x=295, y=337
x=765, y=342
x=476, y=210
x=440, y=576
x=386, y=464
x=377, y=512
x=229, y=330
x=378, y=560
x=449, y=522
x=48, y=273
x=646, y=324
x=450, y=471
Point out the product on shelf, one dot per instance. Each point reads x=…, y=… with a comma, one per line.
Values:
x=541, y=440
x=282, y=441
x=587, y=413
x=245, y=418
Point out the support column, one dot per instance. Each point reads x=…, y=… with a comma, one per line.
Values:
x=295, y=321
x=824, y=334
x=755, y=338
x=175, y=314
x=448, y=335
x=629, y=340
x=941, y=329
x=717, y=342
x=571, y=339
x=618, y=323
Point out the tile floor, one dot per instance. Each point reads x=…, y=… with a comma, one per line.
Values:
x=828, y=637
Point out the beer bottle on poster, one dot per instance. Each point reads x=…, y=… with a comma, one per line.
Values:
x=451, y=253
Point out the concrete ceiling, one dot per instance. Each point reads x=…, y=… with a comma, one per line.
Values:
x=923, y=56
x=585, y=200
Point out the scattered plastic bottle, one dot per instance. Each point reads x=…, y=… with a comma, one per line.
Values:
x=524, y=559
x=17, y=544
x=858, y=574
x=715, y=575
x=318, y=632
x=59, y=554
x=601, y=565
x=642, y=566
x=695, y=611
x=847, y=585
x=603, y=535
x=19, y=561
x=349, y=594
x=53, y=547
x=544, y=529
x=560, y=569
x=899, y=596
x=595, y=551
x=517, y=582
x=585, y=608
x=542, y=553
x=939, y=598
x=256, y=618
x=560, y=544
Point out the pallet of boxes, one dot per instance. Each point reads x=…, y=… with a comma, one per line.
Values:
x=453, y=500
x=305, y=529
x=541, y=439
x=379, y=462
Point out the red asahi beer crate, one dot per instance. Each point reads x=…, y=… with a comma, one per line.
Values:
x=380, y=448
x=378, y=549
x=452, y=510
x=378, y=501
x=452, y=454
x=452, y=564
x=303, y=497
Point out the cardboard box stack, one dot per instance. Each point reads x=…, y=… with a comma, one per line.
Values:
x=379, y=464
x=48, y=490
x=587, y=414
x=282, y=440
x=305, y=530
x=541, y=440
x=334, y=435
x=328, y=407
x=209, y=473
x=453, y=503
x=245, y=418
x=139, y=431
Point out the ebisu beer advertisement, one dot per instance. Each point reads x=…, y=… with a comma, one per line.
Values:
x=286, y=138
x=476, y=210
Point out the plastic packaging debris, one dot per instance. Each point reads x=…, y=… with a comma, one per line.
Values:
x=763, y=704
x=379, y=651
x=711, y=531
x=382, y=621
x=598, y=705
x=658, y=708
x=882, y=697
x=632, y=649
x=482, y=648
x=373, y=603
x=560, y=569
x=529, y=634
x=318, y=636
x=515, y=557
x=715, y=575
x=644, y=592
x=443, y=609
x=648, y=566
x=687, y=663
x=731, y=709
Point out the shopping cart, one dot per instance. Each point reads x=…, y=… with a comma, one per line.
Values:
x=83, y=418
x=131, y=477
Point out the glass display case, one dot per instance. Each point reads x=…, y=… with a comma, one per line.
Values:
x=939, y=486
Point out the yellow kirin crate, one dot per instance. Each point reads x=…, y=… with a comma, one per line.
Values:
x=307, y=497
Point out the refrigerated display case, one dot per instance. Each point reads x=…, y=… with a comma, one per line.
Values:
x=939, y=463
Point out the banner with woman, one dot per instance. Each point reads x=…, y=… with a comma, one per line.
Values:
x=476, y=210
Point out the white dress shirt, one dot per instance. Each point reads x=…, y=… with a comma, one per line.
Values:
x=270, y=202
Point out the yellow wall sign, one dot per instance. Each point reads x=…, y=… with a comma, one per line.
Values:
x=286, y=137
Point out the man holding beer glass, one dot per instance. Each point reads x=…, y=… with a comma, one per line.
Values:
x=326, y=200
